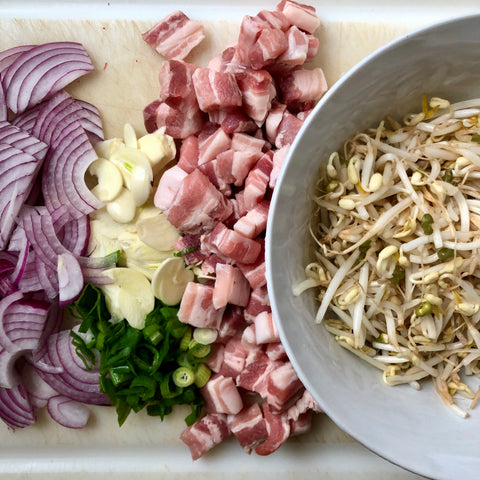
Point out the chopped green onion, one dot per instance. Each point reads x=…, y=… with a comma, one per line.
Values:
x=183, y=377
x=205, y=336
x=186, y=251
x=202, y=375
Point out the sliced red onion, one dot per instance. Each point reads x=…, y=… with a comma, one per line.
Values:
x=15, y=136
x=91, y=121
x=70, y=278
x=37, y=389
x=20, y=245
x=7, y=57
x=75, y=235
x=75, y=381
x=19, y=170
x=8, y=374
x=67, y=412
x=15, y=407
x=5, y=303
x=3, y=104
x=42, y=71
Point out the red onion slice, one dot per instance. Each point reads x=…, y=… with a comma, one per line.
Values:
x=67, y=412
x=15, y=407
x=15, y=136
x=7, y=57
x=3, y=104
x=37, y=389
x=42, y=71
x=70, y=278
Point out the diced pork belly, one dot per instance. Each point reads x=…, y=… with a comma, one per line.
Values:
x=215, y=361
x=297, y=50
x=234, y=245
x=258, y=91
x=175, y=78
x=254, y=222
x=275, y=19
x=198, y=205
x=219, y=171
x=302, y=86
x=232, y=322
x=234, y=357
x=205, y=433
x=230, y=287
x=221, y=395
x=283, y=387
x=190, y=245
x=265, y=329
x=301, y=425
x=287, y=130
x=216, y=90
x=273, y=120
x=214, y=144
x=189, y=154
x=256, y=183
x=241, y=142
x=196, y=307
x=249, y=427
x=175, y=36
x=313, y=44
x=259, y=302
x=276, y=351
x=232, y=120
x=255, y=273
x=278, y=428
x=278, y=158
x=299, y=14
x=238, y=202
x=305, y=403
x=243, y=162
x=248, y=336
x=168, y=187
x=181, y=118
x=254, y=376
x=209, y=264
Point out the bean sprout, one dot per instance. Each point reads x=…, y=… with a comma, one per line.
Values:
x=397, y=266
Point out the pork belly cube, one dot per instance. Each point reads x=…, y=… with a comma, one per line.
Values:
x=232, y=322
x=191, y=244
x=175, y=36
x=254, y=376
x=283, y=387
x=213, y=145
x=150, y=116
x=278, y=159
x=297, y=50
x=303, y=16
x=196, y=307
x=168, y=187
x=175, y=77
x=230, y=287
x=302, y=86
x=198, y=206
x=255, y=273
x=205, y=433
x=273, y=120
x=215, y=361
x=249, y=427
x=221, y=395
x=287, y=130
x=258, y=91
x=189, y=154
x=276, y=351
x=258, y=302
x=301, y=425
x=254, y=222
x=232, y=120
x=278, y=428
x=234, y=357
x=275, y=19
x=216, y=90
x=242, y=142
x=257, y=180
x=265, y=328
x=232, y=245
x=304, y=404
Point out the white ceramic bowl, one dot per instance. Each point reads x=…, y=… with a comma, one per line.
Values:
x=410, y=428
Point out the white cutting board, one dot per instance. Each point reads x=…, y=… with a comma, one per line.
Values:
x=124, y=82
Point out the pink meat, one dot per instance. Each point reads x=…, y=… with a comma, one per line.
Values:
x=259, y=302
x=270, y=45
x=215, y=361
x=221, y=395
x=222, y=62
x=234, y=357
x=168, y=187
x=301, y=15
x=232, y=120
x=302, y=86
x=198, y=205
x=283, y=387
x=298, y=48
x=275, y=19
x=205, y=433
x=238, y=202
x=190, y=243
x=180, y=117
x=234, y=245
x=278, y=428
x=276, y=351
x=278, y=160
x=242, y=142
x=254, y=222
x=265, y=329
x=175, y=36
x=273, y=120
x=196, y=307
x=189, y=154
x=150, y=116
x=175, y=77
x=219, y=171
x=313, y=44
x=255, y=273
x=254, y=376
x=258, y=91
x=232, y=322
x=249, y=427
x=230, y=287
x=213, y=145
x=287, y=130
x=301, y=425
x=305, y=403
x=256, y=183
x=216, y=90
x=242, y=164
